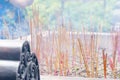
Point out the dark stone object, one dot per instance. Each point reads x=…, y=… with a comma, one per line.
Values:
x=17, y=62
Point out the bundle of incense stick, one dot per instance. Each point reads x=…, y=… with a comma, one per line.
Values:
x=113, y=61
x=59, y=51
x=56, y=60
x=62, y=58
x=73, y=51
x=96, y=41
x=104, y=63
x=92, y=54
x=66, y=64
x=84, y=58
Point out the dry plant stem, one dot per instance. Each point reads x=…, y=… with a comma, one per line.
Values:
x=85, y=62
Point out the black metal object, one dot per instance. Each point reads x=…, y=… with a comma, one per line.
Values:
x=31, y=72
x=34, y=67
x=8, y=70
x=11, y=50
x=17, y=62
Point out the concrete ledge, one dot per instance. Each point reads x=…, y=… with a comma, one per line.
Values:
x=70, y=78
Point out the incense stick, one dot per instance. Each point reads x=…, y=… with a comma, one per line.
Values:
x=85, y=63
x=104, y=63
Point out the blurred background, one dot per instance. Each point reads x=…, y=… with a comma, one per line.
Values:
x=74, y=15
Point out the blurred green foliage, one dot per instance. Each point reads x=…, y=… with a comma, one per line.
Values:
x=90, y=14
